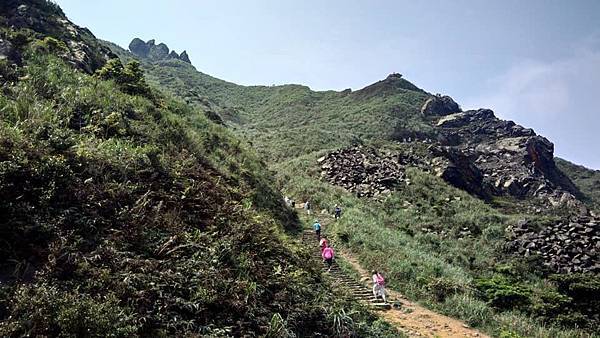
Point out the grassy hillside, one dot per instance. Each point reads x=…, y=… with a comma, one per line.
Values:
x=447, y=249
x=435, y=243
x=586, y=180
x=127, y=212
x=289, y=120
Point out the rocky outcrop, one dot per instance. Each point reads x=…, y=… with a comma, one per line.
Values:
x=566, y=247
x=153, y=52
x=83, y=49
x=440, y=106
x=363, y=170
x=184, y=57
x=140, y=48
x=514, y=160
x=457, y=169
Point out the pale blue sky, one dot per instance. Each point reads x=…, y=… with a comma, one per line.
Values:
x=535, y=62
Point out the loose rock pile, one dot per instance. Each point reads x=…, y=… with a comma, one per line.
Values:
x=363, y=171
x=564, y=247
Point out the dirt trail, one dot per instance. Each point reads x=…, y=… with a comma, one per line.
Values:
x=414, y=319
x=409, y=317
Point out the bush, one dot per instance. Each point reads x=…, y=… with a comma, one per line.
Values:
x=502, y=293
x=47, y=311
x=440, y=288
x=130, y=78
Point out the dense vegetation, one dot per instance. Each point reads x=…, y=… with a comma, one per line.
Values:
x=436, y=243
x=125, y=211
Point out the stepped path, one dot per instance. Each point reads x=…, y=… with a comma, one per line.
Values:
x=410, y=318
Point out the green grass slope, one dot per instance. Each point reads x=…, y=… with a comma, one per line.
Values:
x=126, y=212
x=447, y=249
x=586, y=180
x=290, y=120
x=435, y=243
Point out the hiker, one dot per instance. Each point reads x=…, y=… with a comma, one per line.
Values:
x=328, y=255
x=307, y=207
x=378, y=285
x=317, y=227
x=286, y=200
x=323, y=243
x=337, y=211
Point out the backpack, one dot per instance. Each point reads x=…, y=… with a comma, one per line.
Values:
x=380, y=280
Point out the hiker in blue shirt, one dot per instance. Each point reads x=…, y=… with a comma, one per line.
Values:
x=317, y=227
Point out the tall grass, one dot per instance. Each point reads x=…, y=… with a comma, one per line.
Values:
x=416, y=237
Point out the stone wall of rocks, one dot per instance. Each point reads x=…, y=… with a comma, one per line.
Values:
x=363, y=170
x=566, y=247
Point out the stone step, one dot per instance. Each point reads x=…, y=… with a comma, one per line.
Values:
x=381, y=306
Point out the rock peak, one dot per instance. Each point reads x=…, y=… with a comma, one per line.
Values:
x=153, y=52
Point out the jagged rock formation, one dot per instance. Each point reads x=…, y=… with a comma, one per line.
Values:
x=151, y=51
x=513, y=159
x=457, y=169
x=81, y=48
x=564, y=247
x=439, y=106
x=362, y=170
x=475, y=151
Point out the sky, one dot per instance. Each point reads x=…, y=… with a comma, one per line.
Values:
x=535, y=62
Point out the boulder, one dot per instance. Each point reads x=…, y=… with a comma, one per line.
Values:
x=139, y=47
x=457, y=169
x=514, y=160
x=440, y=106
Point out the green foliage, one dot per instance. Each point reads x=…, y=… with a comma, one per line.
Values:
x=290, y=120
x=50, y=45
x=503, y=294
x=130, y=78
x=46, y=310
x=586, y=180
x=121, y=205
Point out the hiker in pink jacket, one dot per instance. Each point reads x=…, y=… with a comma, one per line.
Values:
x=378, y=285
x=328, y=255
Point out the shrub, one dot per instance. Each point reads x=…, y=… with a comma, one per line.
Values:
x=130, y=78
x=503, y=294
x=440, y=288
x=50, y=45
